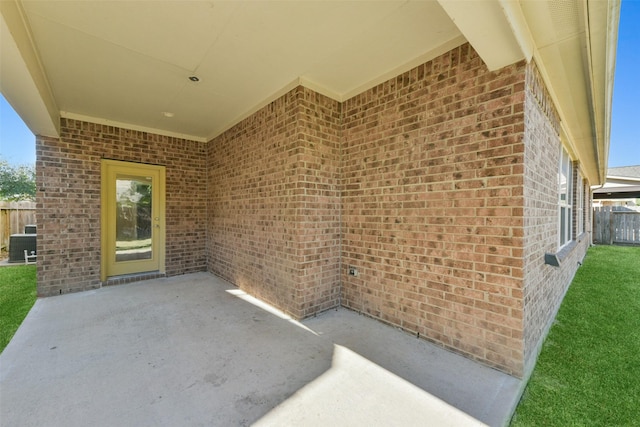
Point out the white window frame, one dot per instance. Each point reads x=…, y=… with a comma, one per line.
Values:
x=579, y=205
x=565, y=199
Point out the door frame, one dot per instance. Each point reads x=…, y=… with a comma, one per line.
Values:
x=106, y=165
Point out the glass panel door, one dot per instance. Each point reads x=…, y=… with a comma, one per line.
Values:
x=132, y=218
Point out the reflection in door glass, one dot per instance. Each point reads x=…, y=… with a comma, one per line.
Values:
x=133, y=218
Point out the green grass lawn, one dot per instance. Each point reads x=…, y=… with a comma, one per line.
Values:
x=17, y=296
x=588, y=373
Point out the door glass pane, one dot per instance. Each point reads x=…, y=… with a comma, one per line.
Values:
x=133, y=218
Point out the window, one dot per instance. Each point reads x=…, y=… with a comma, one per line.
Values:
x=565, y=183
x=579, y=205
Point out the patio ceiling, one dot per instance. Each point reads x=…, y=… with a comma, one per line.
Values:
x=128, y=63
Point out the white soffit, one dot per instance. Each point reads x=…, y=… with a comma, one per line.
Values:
x=602, y=35
x=575, y=67
x=127, y=62
x=22, y=81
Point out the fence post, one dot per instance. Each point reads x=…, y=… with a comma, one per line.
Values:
x=612, y=230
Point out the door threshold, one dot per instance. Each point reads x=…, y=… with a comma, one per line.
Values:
x=130, y=278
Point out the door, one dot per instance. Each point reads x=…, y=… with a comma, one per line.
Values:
x=132, y=218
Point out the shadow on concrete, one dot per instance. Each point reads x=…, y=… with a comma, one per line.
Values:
x=194, y=350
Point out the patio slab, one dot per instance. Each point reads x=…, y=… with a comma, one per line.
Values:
x=194, y=350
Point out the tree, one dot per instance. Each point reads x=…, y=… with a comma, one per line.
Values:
x=17, y=182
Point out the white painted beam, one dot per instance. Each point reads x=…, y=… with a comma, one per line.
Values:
x=22, y=81
x=496, y=29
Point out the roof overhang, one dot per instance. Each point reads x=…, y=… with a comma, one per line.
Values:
x=497, y=30
x=626, y=192
x=22, y=79
x=65, y=59
x=575, y=52
x=619, y=187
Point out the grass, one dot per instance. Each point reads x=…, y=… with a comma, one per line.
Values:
x=589, y=369
x=587, y=373
x=17, y=296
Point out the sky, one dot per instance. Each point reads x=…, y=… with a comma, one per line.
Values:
x=17, y=143
x=625, y=117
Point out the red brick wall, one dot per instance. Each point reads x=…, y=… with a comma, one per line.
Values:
x=320, y=122
x=433, y=205
x=544, y=285
x=68, y=201
x=274, y=203
x=439, y=186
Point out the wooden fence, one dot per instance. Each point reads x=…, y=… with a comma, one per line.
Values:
x=616, y=225
x=13, y=217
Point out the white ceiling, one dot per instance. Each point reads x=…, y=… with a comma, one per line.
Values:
x=127, y=63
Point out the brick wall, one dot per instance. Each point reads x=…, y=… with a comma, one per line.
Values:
x=274, y=203
x=433, y=205
x=439, y=186
x=544, y=285
x=68, y=200
x=320, y=122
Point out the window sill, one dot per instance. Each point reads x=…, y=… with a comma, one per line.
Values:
x=555, y=259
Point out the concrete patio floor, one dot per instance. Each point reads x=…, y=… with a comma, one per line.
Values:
x=194, y=350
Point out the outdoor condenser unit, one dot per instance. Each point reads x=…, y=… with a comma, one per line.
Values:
x=18, y=243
